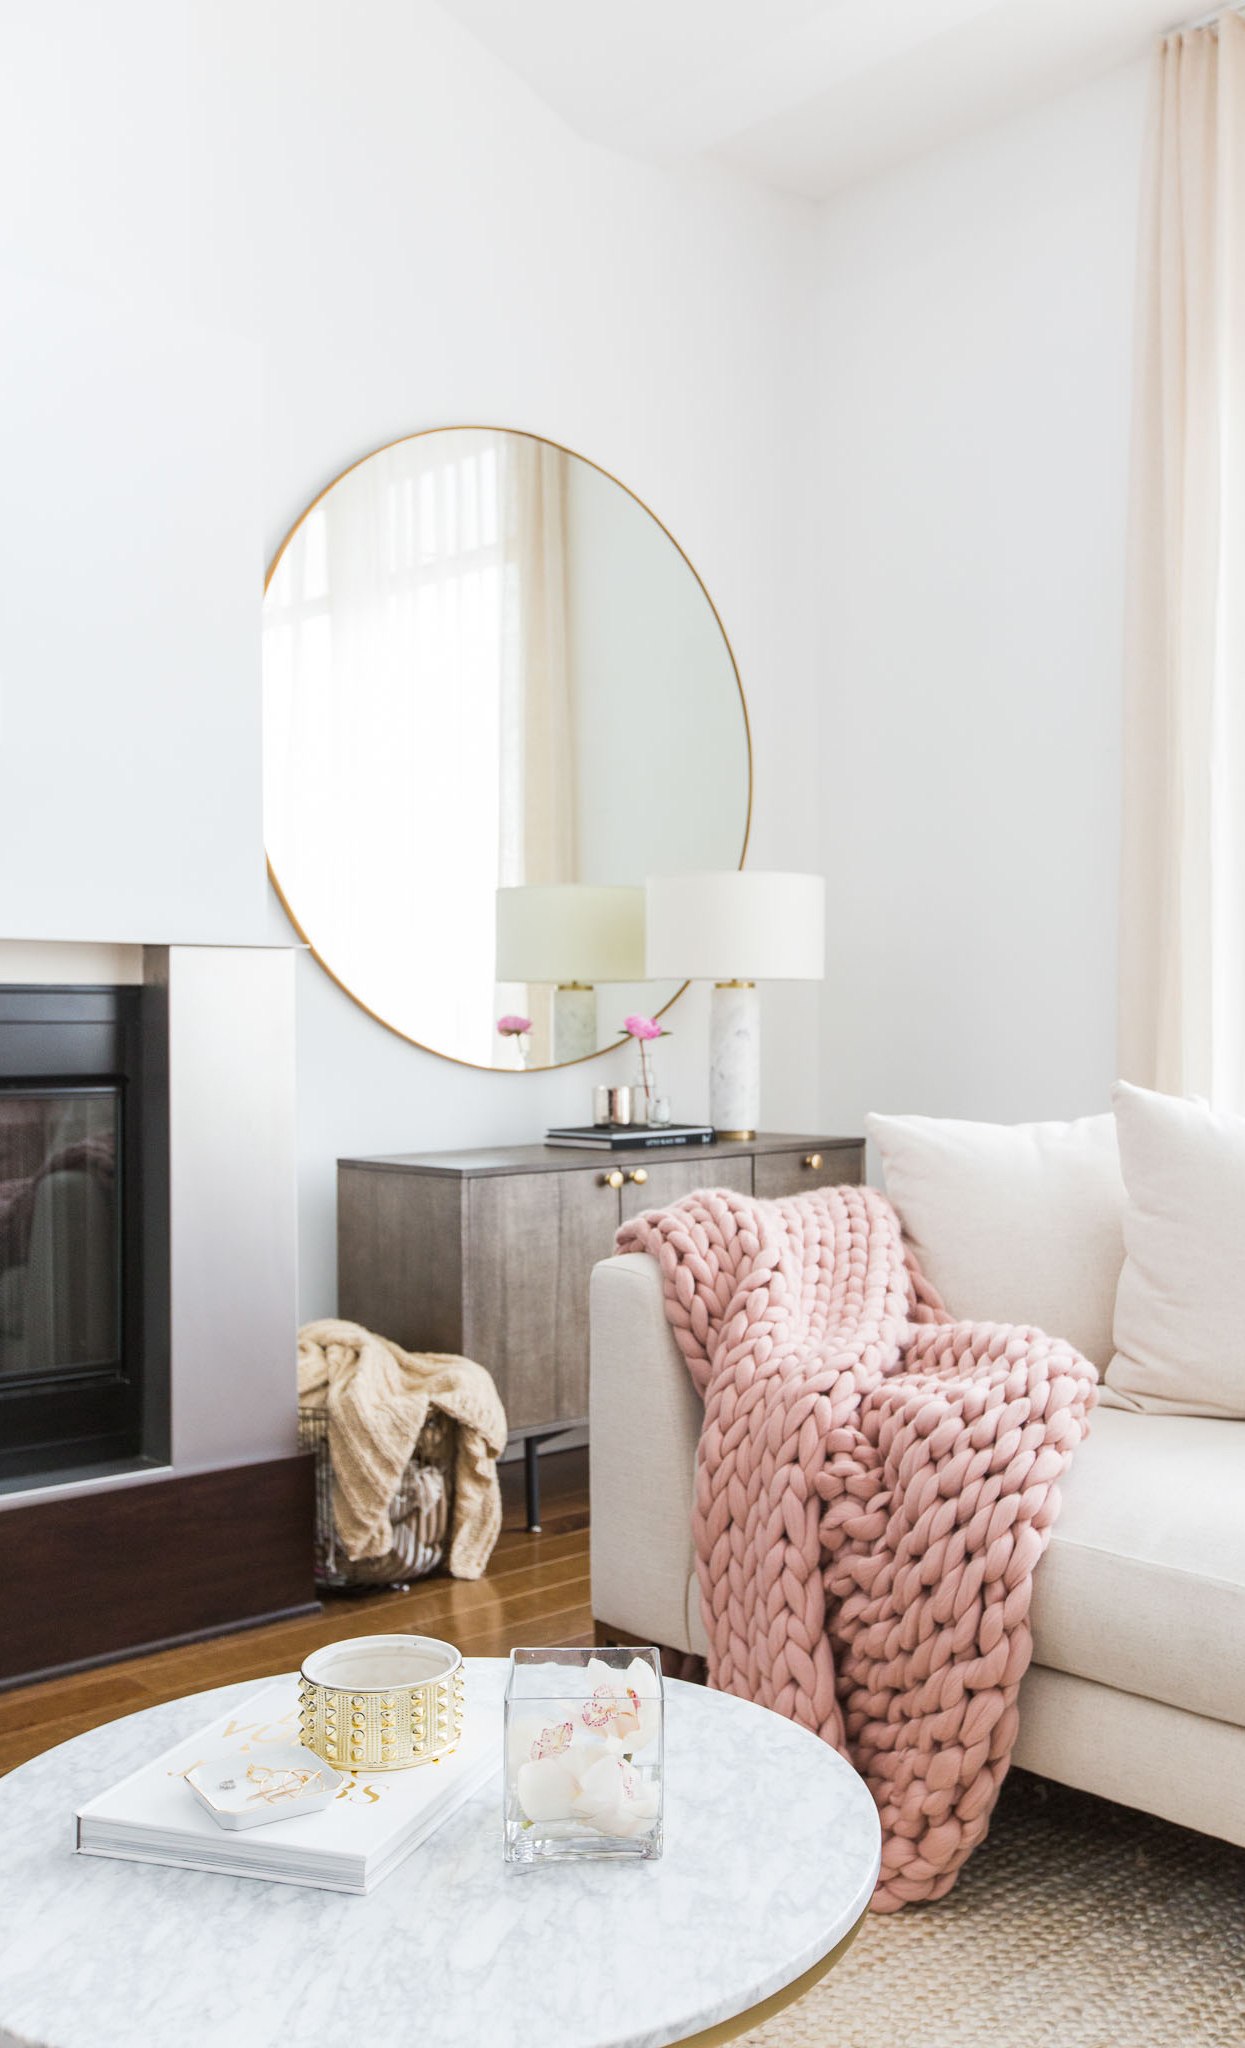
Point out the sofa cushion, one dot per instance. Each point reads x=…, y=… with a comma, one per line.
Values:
x=1180, y=1311
x=1143, y=1584
x=1013, y=1223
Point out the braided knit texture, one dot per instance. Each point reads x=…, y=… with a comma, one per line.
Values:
x=875, y=1486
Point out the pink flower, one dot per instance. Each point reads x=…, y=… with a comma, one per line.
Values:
x=642, y=1027
x=513, y=1027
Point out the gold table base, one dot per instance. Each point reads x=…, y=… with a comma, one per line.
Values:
x=756, y=2015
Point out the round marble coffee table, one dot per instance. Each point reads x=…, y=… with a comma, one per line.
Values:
x=772, y=1851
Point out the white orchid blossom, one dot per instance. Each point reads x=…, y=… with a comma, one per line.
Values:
x=570, y=1761
x=624, y=1704
x=531, y=1736
x=548, y=1788
x=591, y=1783
x=614, y=1798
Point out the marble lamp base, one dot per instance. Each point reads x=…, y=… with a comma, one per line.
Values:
x=735, y=1059
x=574, y=1022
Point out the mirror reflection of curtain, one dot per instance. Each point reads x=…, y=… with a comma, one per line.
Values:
x=421, y=610
x=538, y=795
x=538, y=786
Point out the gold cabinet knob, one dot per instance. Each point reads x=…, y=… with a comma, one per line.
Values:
x=639, y=1174
x=813, y=1159
x=612, y=1180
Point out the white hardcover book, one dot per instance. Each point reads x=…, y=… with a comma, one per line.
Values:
x=375, y=1820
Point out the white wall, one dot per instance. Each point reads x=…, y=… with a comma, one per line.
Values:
x=412, y=239
x=130, y=559
x=973, y=368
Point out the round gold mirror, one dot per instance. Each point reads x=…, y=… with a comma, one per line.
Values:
x=496, y=697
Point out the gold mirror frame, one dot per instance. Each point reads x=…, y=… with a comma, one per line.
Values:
x=476, y=1065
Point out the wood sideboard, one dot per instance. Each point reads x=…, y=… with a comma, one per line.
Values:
x=488, y=1253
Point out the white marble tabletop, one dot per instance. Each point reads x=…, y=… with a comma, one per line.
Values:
x=772, y=1851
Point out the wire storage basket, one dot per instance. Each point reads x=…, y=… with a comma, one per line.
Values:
x=420, y=1511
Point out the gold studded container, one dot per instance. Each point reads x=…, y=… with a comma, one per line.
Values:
x=381, y=1703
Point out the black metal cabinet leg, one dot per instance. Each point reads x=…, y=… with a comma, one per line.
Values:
x=531, y=1462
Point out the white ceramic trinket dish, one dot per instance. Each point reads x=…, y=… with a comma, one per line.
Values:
x=289, y=1781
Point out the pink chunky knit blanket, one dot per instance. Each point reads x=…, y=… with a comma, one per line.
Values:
x=875, y=1485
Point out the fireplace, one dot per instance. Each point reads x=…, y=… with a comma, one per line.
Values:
x=84, y=1322
x=151, y=1489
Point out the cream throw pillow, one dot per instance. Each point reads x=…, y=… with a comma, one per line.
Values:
x=1013, y=1223
x=1180, y=1311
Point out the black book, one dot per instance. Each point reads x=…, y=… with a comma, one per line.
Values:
x=630, y=1137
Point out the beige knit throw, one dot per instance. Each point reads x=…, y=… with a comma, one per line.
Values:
x=377, y=1397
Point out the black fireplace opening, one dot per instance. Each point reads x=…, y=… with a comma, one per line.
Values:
x=83, y=1229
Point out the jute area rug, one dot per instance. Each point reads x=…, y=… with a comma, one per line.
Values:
x=1077, y=1924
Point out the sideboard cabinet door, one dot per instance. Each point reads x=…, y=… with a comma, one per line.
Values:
x=533, y=1240
x=400, y=1255
x=673, y=1178
x=795, y=1173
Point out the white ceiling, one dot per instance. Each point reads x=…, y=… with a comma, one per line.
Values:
x=804, y=95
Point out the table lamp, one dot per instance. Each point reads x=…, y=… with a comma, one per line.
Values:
x=574, y=935
x=734, y=929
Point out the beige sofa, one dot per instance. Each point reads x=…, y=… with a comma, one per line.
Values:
x=1137, y=1687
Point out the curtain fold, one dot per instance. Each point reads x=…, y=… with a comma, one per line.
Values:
x=415, y=662
x=1182, y=931
x=538, y=792
x=537, y=807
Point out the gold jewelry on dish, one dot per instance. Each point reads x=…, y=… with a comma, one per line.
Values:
x=275, y=1785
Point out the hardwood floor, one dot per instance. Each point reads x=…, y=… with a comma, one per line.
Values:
x=536, y=1591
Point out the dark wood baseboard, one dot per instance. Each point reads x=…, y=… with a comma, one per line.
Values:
x=131, y=1569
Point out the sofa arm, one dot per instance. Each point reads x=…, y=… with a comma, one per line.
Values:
x=644, y=1425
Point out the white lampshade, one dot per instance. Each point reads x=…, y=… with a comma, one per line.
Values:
x=736, y=926
x=570, y=931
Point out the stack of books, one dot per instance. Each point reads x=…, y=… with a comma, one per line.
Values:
x=373, y=1822
x=629, y=1137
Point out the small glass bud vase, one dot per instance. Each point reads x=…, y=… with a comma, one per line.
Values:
x=641, y=1095
x=644, y=1095
x=584, y=1754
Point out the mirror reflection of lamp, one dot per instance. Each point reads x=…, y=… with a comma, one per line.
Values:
x=574, y=935
x=735, y=929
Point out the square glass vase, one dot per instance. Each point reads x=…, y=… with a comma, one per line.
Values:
x=585, y=1754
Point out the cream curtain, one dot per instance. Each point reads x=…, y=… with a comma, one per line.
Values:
x=1182, y=949
x=538, y=791
x=384, y=629
x=418, y=736
x=538, y=808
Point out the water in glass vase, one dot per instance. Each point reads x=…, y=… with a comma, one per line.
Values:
x=584, y=1754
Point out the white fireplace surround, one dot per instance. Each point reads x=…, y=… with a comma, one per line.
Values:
x=233, y=1220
